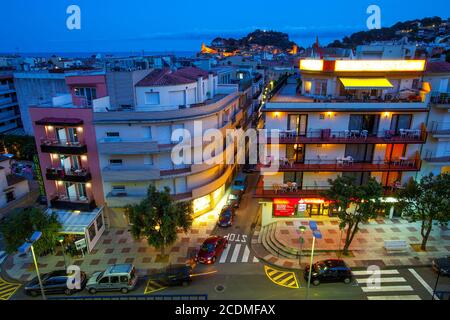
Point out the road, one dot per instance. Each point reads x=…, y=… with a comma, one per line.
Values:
x=238, y=274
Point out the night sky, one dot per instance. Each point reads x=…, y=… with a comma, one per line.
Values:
x=173, y=25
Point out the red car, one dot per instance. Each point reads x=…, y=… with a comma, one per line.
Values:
x=211, y=249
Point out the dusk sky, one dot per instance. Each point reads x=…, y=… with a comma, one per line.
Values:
x=175, y=25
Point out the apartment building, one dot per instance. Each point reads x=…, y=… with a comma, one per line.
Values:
x=135, y=143
x=13, y=186
x=359, y=118
x=65, y=140
x=9, y=108
x=36, y=87
x=436, y=152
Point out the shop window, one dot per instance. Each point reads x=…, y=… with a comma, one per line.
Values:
x=92, y=232
x=202, y=203
x=99, y=222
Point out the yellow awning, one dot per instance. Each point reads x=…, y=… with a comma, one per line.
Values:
x=366, y=83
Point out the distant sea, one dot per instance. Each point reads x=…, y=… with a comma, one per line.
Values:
x=103, y=54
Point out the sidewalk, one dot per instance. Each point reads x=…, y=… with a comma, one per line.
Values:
x=117, y=246
x=279, y=243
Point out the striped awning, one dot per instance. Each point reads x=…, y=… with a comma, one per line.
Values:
x=366, y=83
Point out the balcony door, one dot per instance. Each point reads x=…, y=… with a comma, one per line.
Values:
x=296, y=152
x=68, y=162
x=361, y=178
x=298, y=122
x=296, y=176
x=401, y=121
x=360, y=152
x=367, y=122
x=76, y=191
x=67, y=134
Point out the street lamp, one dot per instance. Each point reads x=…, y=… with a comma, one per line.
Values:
x=318, y=235
x=302, y=230
x=24, y=248
x=61, y=240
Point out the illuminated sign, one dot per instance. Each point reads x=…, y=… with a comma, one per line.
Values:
x=311, y=65
x=379, y=65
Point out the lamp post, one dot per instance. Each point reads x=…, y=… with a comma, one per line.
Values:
x=24, y=248
x=436, y=284
x=318, y=235
x=61, y=240
x=302, y=240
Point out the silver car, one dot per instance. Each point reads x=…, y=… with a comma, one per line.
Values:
x=118, y=277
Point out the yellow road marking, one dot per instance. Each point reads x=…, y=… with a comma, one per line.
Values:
x=7, y=289
x=204, y=273
x=153, y=286
x=288, y=278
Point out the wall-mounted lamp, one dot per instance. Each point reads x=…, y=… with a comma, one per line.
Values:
x=276, y=114
x=80, y=129
x=83, y=158
x=329, y=114
x=49, y=128
x=386, y=115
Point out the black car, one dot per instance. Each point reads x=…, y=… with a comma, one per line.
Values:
x=442, y=265
x=226, y=217
x=177, y=275
x=331, y=270
x=54, y=282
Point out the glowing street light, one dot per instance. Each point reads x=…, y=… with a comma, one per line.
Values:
x=318, y=235
x=24, y=248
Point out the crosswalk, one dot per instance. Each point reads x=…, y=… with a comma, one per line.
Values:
x=390, y=285
x=237, y=253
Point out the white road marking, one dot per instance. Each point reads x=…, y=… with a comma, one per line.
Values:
x=246, y=254
x=235, y=255
x=392, y=279
x=255, y=259
x=369, y=273
x=425, y=285
x=405, y=297
x=223, y=258
x=387, y=288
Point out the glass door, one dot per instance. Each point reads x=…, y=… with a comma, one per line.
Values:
x=400, y=121
x=298, y=122
x=296, y=152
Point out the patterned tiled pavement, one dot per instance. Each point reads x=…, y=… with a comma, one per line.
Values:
x=118, y=246
x=367, y=246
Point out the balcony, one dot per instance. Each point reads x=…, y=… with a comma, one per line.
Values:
x=440, y=129
x=119, y=146
x=344, y=165
x=123, y=198
x=327, y=136
x=49, y=145
x=440, y=98
x=277, y=191
x=175, y=171
x=61, y=201
x=61, y=174
x=130, y=173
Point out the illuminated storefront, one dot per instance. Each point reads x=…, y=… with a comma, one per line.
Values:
x=204, y=204
x=300, y=207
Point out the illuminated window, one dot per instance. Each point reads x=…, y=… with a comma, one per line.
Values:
x=308, y=85
x=202, y=203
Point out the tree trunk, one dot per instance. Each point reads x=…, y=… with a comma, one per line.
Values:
x=425, y=235
x=350, y=235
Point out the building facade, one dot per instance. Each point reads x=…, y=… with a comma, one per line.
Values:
x=349, y=117
x=9, y=108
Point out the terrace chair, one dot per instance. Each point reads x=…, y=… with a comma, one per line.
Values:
x=364, y=134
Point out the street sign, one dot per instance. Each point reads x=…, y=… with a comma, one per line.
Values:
x=80, y=244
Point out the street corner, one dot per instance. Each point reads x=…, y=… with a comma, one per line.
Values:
x=7, y=289
x=282, y=278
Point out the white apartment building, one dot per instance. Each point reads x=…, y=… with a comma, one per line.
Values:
x=436, y=153
x=13, y=186
x=361, y=118
x=135, y=145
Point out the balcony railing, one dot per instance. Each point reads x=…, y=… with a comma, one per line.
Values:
x=353, y=136
x=64, y=202
x=75, y=175
x=440, y=98
x=345, y=165
x=440, y=128
x=50, y=145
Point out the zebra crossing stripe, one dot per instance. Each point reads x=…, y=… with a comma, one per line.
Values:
x=387, y=288
x=235, y=255
x=423, y=283
x=381, y=280
x=246, y=254
x=404, y=297
x=368, y=273
x=223, y=258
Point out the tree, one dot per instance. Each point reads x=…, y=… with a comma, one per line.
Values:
x=158, y=218
x=426, y=201
x=354, y=203
x=23, y=147
x=21, y=224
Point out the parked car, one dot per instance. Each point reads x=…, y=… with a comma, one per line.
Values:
x=240, y=183
x=118, y=277
x=248, y=168
x=211, y=249
x=234, y=198
x=442, y=265
x=226, y=217
x=176, y=275
x=331, y=270
x=54, y=282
